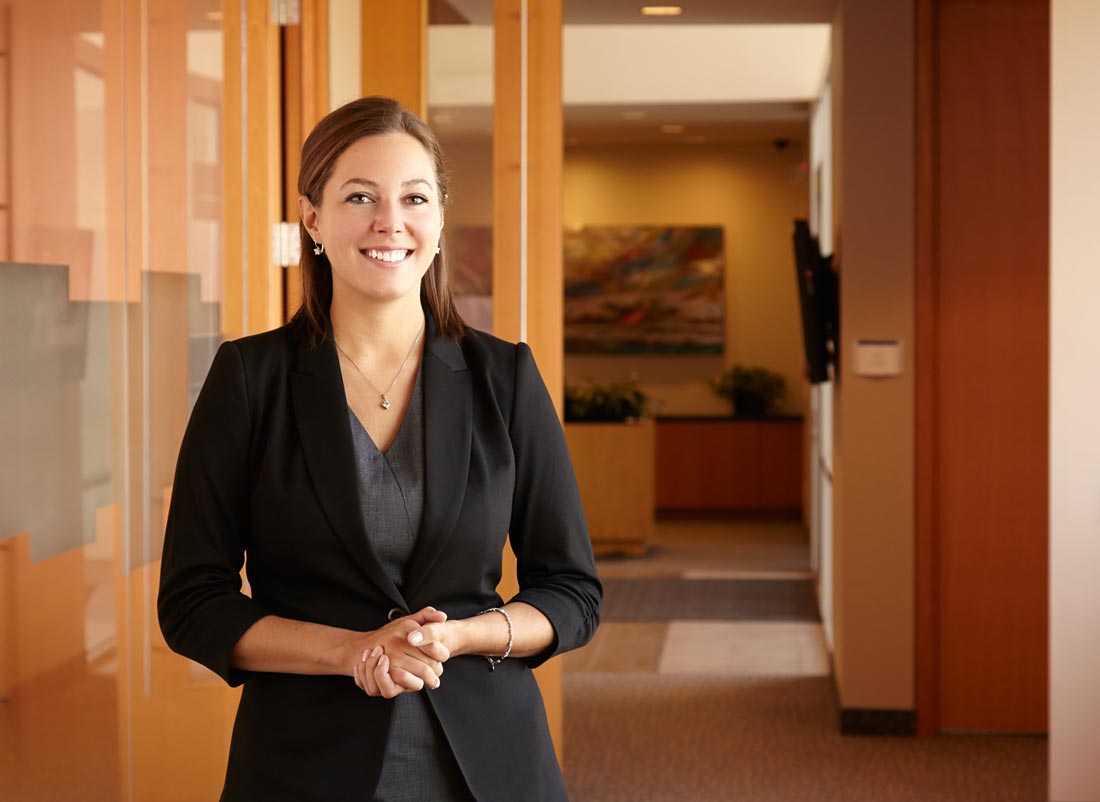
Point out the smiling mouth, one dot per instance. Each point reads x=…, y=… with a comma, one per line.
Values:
x=392, y=256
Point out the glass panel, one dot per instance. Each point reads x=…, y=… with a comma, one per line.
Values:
x=112, y=229
x=60, y=418
x=460, y=111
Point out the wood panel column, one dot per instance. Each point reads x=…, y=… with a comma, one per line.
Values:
x=985, y=316
x=527, y=298
x=527, y=295
x=253, y=189
x=394, y=51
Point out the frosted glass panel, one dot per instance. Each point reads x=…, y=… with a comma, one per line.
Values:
x=111, y=242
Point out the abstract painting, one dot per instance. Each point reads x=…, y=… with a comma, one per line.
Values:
x=644, y=290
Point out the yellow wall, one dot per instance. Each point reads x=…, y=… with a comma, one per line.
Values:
x=753, y=191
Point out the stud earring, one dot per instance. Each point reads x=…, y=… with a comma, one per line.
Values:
x=318, y=248
x=437, y=250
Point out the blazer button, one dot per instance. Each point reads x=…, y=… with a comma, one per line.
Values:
x=395, y=613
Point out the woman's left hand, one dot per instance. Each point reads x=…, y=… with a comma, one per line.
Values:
x=440, y=641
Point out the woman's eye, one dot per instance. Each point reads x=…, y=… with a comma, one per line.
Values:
x=358, y=198
x=417, y=200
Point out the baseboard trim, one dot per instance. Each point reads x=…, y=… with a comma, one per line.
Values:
x=862, y=721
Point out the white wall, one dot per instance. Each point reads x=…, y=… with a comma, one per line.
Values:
x=821, y=395
x=1074, y=404
x=821, y=169
x=641, y=64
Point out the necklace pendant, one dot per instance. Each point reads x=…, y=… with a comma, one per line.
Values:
x=385, y=403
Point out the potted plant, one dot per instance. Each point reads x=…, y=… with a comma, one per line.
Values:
x=754, y=391
x=604, y=403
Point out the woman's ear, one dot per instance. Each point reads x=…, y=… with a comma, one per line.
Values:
x=307, y=213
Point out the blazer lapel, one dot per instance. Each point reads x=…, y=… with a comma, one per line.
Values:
x=321, y=411
x=448, y=423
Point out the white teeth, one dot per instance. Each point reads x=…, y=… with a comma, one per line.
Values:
x=387, y=256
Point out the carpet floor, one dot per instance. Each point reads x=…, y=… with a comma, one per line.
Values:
x=709, y=681
x=648, y=738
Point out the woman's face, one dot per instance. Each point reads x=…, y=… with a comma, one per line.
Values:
x=380, y=218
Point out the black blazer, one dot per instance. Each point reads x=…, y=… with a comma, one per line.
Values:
x=267, y=468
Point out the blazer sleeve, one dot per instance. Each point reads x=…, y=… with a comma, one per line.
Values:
x=549, y=535
x=201, y=608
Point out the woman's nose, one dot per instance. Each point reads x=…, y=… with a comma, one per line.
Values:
x=387, y=216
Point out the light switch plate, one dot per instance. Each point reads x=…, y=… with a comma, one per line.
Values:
x=878, y=358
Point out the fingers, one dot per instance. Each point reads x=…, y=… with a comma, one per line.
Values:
x=428, y=615
x=367, y=667
x=379, y=676
x=425, y=671
x=387, y=688
x=436, y=652
x=364, y=672
x=431, y=640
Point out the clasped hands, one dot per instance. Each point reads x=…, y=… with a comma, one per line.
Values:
x=406, y=654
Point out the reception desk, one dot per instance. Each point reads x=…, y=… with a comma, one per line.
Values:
x=726, y=464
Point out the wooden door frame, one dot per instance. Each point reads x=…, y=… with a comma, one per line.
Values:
x=927, y=545
x=305, y=95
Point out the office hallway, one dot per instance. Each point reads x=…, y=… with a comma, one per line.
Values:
x=709, y=680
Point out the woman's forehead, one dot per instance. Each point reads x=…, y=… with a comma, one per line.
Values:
x=385, y=159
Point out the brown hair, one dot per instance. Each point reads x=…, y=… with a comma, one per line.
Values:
x=368, y=116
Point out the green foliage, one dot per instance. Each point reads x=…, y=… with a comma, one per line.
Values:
x=605, y=403
x=754, y=391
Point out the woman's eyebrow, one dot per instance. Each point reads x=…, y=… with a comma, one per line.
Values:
x=374, y=184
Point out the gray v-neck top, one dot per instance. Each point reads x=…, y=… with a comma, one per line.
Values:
x=419, y=764
x=391, y=487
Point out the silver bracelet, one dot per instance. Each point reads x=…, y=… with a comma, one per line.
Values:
x=496, y=661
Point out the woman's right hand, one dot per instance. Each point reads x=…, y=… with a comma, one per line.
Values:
x=389, y=666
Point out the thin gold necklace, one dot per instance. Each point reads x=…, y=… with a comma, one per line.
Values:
x=383, y=397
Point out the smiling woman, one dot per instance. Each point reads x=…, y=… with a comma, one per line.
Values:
x=372, y=457
x=380, y=218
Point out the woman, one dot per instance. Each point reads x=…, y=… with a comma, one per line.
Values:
x=370, y=458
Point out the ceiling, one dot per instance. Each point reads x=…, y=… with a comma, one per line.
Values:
x=728, y=123
x=627, y=12
x=699, y=12
x=640, y=124
x=736, y=120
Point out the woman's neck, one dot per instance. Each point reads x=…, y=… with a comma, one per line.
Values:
x=377, y=329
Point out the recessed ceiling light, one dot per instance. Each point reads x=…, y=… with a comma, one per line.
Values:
x=633, y=115
x=662, y=11
x=672, y=128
